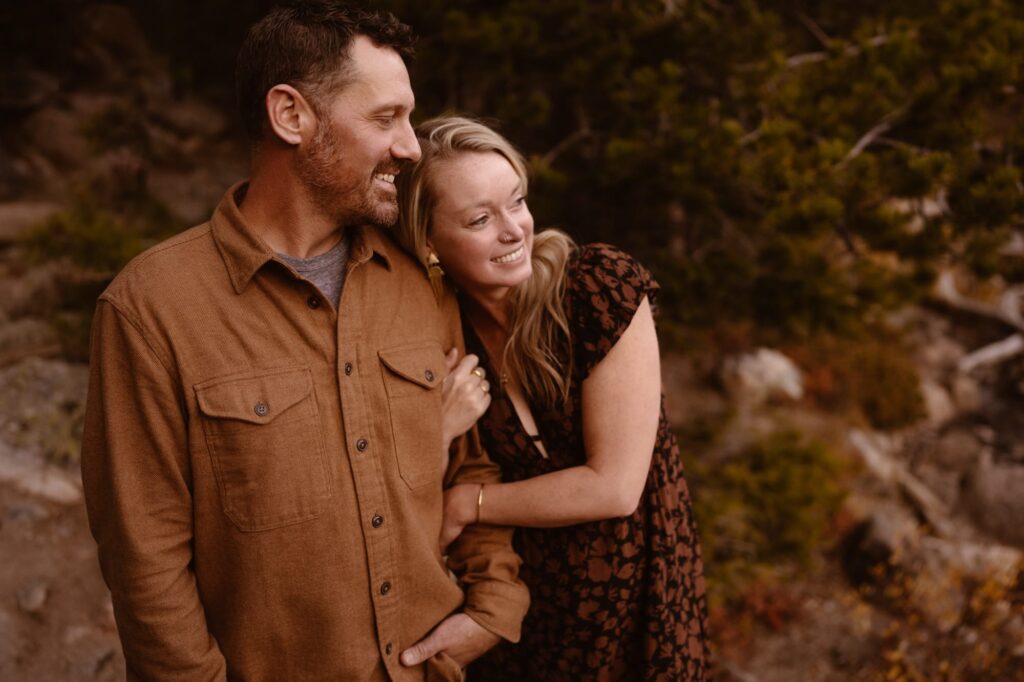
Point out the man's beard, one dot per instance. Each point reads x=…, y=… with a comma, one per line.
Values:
x=345, y=202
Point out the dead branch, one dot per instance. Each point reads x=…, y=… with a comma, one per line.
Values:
x=992, y=354
x=888, y=469
x=946, y=292
x=883, y=126
x=812, y=26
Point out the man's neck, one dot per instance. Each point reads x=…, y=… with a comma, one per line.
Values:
x=281, y=212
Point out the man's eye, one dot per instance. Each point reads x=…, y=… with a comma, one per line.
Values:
x=386, y=121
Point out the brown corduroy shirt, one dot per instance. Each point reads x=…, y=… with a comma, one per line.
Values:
x=263, y=474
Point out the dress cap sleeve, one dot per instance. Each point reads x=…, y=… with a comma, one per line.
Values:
x=606, y=287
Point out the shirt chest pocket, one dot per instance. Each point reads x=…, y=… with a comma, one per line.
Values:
x=267, y=450
x=412, y=378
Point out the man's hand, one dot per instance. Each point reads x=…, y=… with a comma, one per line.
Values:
x=458, y=635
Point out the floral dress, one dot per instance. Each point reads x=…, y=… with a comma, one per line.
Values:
x=619, y=599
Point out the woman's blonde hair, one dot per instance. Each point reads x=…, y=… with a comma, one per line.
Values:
x=539, y=349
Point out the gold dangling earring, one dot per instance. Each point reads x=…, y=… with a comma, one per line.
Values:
x=436, y=275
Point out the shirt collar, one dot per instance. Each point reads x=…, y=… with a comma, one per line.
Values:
x=244, y=252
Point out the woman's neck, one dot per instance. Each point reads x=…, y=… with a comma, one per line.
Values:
x=491, y=319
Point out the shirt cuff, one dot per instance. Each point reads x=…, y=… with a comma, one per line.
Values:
x=500, y=608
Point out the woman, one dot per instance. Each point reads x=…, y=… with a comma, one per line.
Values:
x=591, y=470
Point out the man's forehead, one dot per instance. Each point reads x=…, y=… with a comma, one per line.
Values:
x=377, y=73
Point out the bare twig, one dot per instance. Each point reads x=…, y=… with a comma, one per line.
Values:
x=992, y=354
x=566, y=142
x=883, y=126
x=946, y=292
x=798, y=60
x=812, y=26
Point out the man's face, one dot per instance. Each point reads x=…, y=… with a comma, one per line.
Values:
x=362, y=140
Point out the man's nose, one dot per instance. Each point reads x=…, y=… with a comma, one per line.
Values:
x=406, y=147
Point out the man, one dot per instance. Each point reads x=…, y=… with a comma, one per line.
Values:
x=262, y=449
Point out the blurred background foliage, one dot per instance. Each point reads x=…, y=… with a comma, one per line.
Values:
x=803, y=166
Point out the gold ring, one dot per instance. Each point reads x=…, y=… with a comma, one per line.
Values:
x=479, y=371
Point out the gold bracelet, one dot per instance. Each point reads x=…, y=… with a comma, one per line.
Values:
x=479, y=502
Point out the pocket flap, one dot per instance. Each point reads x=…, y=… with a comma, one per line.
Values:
x=257, y=399
x=422, y=364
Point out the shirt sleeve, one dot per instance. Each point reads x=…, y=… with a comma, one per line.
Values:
x=136, y=476
x=482, y=556
x=606, y=288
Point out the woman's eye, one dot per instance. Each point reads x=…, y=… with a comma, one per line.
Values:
x=481, y=220
x=520, y=201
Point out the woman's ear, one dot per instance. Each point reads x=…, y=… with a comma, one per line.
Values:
x=290, y=115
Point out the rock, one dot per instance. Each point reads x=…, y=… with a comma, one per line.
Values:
x=89, y=652
x=17, y=216
x=34, y=293
x=938, y=405
x=943, y=571
x=39, y=479
x=13, y=646
x=26, y=512
x=957, y=450
x=42, y=404
x=945, y=483
x=57, y=135
x=993, y=495
x=757, y=377
x=966, y=394
x=32, y=596
x=886, y=538
x=192, y=116
x=23, y=90
x=25, y=338
x=937, y=353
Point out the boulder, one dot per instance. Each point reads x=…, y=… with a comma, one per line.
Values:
x=23, y=90
x=18, y=216
x=42, y=403
x=757, y=377
x=938, y=405
x=993, y=496
x=25, y=338
x=57, y=135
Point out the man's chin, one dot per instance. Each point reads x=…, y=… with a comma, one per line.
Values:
x=384, y=214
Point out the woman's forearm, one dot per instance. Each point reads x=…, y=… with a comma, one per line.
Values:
x=562, y=498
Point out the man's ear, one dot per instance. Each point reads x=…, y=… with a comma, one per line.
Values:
x=290, y=114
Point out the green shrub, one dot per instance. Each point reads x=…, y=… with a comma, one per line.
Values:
x=87, y=235
x=765, y=511
x=871, y=374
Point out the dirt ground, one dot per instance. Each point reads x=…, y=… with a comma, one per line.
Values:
x=56, y=621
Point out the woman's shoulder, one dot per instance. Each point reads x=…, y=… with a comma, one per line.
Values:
x=599, y=267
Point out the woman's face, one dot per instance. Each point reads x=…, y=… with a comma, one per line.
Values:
x=482, y=229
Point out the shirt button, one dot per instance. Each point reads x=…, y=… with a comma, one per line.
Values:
x=377, y=520
x=388, y=649
x=429, y=375
x=362, y=444
x=313, y=302
x=348, y=369
x=385, y=587
x=261, y=409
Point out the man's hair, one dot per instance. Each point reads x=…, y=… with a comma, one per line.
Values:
x=306, y=44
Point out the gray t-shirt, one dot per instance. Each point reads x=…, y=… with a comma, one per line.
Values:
x=326, y=271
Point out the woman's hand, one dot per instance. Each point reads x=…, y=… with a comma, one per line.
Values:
x=465, y=395
x=460, y=510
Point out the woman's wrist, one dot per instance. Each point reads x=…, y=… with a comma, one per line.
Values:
x=467, y=503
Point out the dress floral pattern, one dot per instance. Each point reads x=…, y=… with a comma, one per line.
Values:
x=619, y=599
